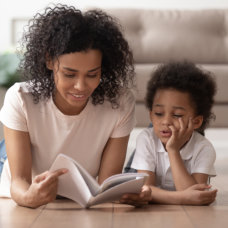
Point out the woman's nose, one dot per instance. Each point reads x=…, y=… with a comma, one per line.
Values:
x=80, y=84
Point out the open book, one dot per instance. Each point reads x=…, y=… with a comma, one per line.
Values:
x=77, y=184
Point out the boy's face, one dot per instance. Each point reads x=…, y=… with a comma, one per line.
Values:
x=168, y=106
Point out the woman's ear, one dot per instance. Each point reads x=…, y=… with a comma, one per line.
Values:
x=197, y=121
x=49, y=62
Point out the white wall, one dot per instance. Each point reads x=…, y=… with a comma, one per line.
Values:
x=11, y=9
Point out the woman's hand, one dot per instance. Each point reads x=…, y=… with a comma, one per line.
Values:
x=143, y=198
x=43, y=188
x=198, y=195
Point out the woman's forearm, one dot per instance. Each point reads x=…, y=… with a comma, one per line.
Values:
x=42, y=190
x=19, y=192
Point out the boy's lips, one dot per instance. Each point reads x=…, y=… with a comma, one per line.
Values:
x=166, y=133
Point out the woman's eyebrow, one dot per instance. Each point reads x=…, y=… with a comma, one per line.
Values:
x=74, y=70
x=94, y=69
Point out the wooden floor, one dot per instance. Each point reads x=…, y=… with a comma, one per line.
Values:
x=65, y=213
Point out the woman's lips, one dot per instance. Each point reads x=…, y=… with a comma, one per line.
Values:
x=78, y=97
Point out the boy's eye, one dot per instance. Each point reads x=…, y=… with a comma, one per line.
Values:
x=177, y=116
x=158, y=113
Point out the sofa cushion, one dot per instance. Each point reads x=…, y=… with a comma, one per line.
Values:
x=220, y=72
x=144, y=72
x=161, y=35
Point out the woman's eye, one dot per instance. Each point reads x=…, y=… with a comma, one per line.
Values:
x=92, y=75
x=69, y=75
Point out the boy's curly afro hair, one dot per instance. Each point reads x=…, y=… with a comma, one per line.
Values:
x=185, y=77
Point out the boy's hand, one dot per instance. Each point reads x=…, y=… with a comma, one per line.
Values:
x=198, y=194
x=180, y=135
x=143, y=198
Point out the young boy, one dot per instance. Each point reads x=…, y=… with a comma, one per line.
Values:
x=174, y=151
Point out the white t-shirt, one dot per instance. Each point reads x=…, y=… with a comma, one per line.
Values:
x=82, y=137
x=198, y=156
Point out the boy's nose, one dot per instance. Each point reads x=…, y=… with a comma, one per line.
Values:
x=167, y=120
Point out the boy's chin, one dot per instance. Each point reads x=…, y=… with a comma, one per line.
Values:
x=164, y=141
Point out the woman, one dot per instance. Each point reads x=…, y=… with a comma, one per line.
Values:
x=76, y=101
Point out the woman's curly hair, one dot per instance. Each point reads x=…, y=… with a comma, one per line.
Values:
x=185, y=77
x=65, y=29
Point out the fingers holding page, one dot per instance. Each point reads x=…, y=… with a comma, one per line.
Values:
x=52, y=176
x=133, y=199
x=140, y=199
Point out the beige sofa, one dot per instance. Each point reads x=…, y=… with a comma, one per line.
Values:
x=158, y=36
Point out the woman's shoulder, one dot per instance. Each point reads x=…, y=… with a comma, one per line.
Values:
x=19, y=88
x=19, y=93
x=124, y=103
x=127, y=96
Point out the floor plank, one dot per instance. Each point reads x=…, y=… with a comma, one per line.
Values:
x=12, y=216
x=208, y=216
x=65, y=213
x=151, y=216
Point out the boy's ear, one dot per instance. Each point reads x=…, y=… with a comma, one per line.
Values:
x=150, y=115
x=197, y=122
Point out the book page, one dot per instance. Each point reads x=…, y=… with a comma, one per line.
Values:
x=71, y=184
x=89, y=180
x=81, y=187
x=115, y=193
x=120, y=178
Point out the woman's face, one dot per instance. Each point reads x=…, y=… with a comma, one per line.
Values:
x=76, y=76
